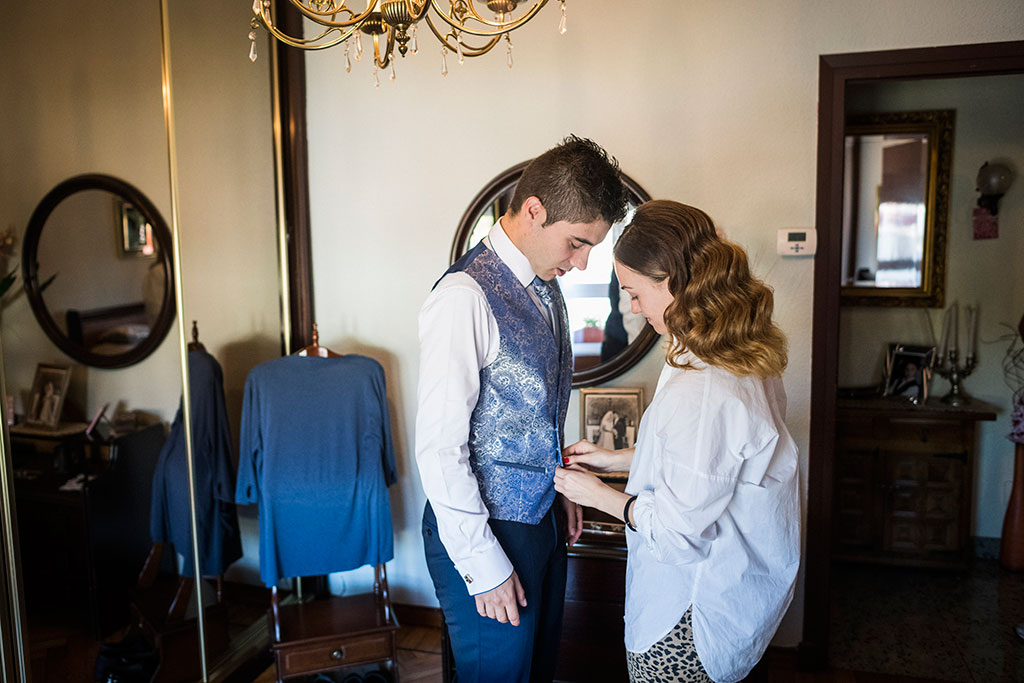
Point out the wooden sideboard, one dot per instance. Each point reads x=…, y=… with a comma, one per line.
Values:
x=903, y=481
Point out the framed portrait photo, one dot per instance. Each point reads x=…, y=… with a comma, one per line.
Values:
x=908, y=370
x=46, y=400
x=610, y=417
x=136, y=233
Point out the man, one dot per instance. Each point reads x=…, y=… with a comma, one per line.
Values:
x=495, y=376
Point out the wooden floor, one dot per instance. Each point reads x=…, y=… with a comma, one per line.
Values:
x=419, y=661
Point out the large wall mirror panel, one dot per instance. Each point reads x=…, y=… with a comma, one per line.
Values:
x=607, y=338
x=895, y=208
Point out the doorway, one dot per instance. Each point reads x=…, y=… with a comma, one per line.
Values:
x=836, y=73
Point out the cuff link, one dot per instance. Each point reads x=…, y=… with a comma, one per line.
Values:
x=467, y=578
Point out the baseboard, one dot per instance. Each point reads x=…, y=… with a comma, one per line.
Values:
x=811, y=656
x=986, y=547
x=416, y=615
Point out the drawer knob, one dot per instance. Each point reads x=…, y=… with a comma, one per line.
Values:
x=338, y=654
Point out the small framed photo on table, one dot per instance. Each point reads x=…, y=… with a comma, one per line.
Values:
x=46, y=400
x=609, y=417
x=908, y=370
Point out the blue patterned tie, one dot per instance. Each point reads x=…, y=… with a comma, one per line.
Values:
x=547, y=297
x=544, y=293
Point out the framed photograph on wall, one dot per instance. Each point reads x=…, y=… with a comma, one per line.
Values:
x=908, y=370
x=46, y=400
x=610, y=417
x=135, y=231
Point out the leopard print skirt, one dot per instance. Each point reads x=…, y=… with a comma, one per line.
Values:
x=673, y=658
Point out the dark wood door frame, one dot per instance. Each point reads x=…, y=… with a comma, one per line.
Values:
x=835, y=71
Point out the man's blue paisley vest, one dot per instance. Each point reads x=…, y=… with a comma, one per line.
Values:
x=515, y=431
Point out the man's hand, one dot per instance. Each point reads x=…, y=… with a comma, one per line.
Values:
x=574, y=517
x=500, y=603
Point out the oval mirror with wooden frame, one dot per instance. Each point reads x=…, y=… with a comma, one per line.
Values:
x=96, y=265
x=607, y=339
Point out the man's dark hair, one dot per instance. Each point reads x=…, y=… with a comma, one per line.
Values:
x=576, y=182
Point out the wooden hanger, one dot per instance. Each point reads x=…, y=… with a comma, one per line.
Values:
x=315, y=349
x=195, y=344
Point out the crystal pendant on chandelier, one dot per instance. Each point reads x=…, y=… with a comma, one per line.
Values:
x=415, y=46
x=348, y=62
x=252, y=46
x=458, y=47
x=561, y=24
x=444, y=61
x=376, y=79
x=359, y=47
x=509, y=52
x=393, y=74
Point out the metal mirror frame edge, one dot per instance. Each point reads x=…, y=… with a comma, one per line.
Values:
x=505, y=181
x=30, y=269
x=939, y=126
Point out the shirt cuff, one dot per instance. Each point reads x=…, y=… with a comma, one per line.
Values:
x=485, y=571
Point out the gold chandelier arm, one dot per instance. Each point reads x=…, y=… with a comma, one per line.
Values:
x=311, y=43
x=496, y=29
x=417, y=12
x=327, y=17
x=467, y=50
x=383, y=63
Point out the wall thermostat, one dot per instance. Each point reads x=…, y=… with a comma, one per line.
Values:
x=797, y=241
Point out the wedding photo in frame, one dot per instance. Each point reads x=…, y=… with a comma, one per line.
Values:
x=610, y=418
x=136, y=234
x=46, y=401
x=908, y=370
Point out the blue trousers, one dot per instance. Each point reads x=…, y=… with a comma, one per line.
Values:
x=485, y=649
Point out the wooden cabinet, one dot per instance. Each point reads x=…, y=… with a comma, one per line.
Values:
x=903, y=484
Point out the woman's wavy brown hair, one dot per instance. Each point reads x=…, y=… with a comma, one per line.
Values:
x=719, y=311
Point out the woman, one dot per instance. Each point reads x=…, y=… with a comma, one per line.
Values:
x=711, y=505
x=606, y=437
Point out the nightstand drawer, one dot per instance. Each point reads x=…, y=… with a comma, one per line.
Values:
x=294, y=659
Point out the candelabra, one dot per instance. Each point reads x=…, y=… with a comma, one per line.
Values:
x=955, y=374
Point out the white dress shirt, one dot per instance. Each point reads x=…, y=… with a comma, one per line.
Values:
x=458, y=337
x=717, y=516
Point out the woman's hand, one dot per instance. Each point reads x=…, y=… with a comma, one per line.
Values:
x=589, y=456
x=581, y=487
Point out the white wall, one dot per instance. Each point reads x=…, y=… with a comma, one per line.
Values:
x=713, y=104
x=989, y=127
x=81, y=93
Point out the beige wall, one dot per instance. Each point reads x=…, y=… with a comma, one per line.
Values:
x=81, y=94
x=989, y=127
x=709, y=103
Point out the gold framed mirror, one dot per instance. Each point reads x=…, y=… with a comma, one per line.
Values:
x=896, y=175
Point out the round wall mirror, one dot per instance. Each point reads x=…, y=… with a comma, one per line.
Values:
x=96, y=264
x=607, y=339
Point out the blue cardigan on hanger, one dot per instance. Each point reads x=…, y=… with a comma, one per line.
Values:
x=317, y=457
x=219, y=540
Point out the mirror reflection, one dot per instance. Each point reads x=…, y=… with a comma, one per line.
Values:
x=607, y=338
x=895, y=200
x=108, y=281
x=96, y=264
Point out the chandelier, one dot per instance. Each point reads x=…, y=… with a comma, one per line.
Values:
x=391, y=24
